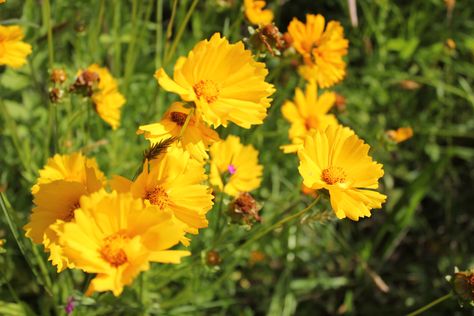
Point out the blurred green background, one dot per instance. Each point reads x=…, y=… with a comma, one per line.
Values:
x=401, y=72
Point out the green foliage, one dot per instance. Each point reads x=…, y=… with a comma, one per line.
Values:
x=392, y=263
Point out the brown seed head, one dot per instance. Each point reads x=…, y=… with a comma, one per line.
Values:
x=55, y=95
x=85, y=83
x=245, y=208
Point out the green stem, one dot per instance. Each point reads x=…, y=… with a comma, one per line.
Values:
x=136, y=12
x=10, y=123
x=159, y=34
x=116, y=35
x=279, y=223
x=95, y=31
x=428, y=306
x=47, y=23
x=181, y=29
x=217, y=228
x=42, y=278
x=257, y=236
x=169, y=29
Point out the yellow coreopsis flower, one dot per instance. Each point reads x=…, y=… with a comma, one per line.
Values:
x=107, y=100
x=173, y=184
x=234, y=167
x=115, y=237
x=223, y=80
x=306, y=113
x=401, y=134
x=72, y=167
x=13, y=50
x=338, y=161
x=322, y=49
x=196, y=138
x=63, y=181
x=255, y=13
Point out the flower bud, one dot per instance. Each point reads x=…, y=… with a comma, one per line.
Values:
x=58, y=76
x=213, y=258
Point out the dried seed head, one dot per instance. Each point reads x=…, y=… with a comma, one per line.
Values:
x=85, y=83
x=55, y=95
x=268, y=38
x=463, y=286
x=244, y=209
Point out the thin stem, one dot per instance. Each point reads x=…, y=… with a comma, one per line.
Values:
x=181, y=29
x=116, y=35
x=185, y=125
x=10, y=123
x=428, y=306
x=136, y=10
x=217, y=227
x=159, y=34
x=279, y=223
x=47, y=23
x=169, y=29
x=259, y=235
x=7, y=211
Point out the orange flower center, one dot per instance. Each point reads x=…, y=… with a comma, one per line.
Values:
x=333, y=175
x=312, y=122
x=158, y=197
x=70, y=213
x=207, y=89
x=112, y=250
x=178, y=117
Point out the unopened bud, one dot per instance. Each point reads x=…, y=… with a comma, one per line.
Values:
x=340, y=102
x=58, y=76
x=409, y=85
x=213, y=258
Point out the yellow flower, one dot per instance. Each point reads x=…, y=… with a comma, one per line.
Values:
x=322, y=49
x=114, y=237
x=307, y=113
x=107, y=99
x=197, y=136
x=72, y=167
x=173, y=184
x=255, y=13
x=63, y=181
x=338, y=161
x=234, y=167
x=13, y=51
x=401, y=134
x=223, y=81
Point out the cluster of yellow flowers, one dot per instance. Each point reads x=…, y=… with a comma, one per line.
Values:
x=115, y=228
x=331, y=156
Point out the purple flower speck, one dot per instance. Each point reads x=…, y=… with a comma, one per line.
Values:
x=231, y=169
x=69, y=305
